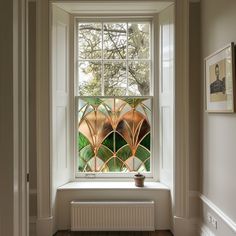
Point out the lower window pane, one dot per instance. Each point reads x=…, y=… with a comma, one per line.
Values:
x=114, y=134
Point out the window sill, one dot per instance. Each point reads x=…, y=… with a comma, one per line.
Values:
x=112, y=186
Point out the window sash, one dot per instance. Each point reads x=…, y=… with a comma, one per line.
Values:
x=112, y=174
x=126, y=60
x=153, y=95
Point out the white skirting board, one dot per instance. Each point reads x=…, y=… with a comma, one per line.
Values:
x=205, y=231
x=44, y=226
x=219, y=212
x=186, y=226
x=112, y=216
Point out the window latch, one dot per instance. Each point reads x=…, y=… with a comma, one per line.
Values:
x=90, y=175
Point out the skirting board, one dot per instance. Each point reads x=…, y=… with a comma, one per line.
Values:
x=44, y=226
x=32, y=225
x=219, y=212
x=205, y=231
x=186, y=227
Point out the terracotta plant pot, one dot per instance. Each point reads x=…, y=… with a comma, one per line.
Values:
x=139, y=180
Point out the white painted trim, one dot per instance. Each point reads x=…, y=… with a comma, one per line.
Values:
x=33, y=191
x=32, y=219
x=44, y=207
x=113, y=7
x=20, y=117
x=194, y=1
x=205, y=231
x=186, y=227
x=195, y=194
x=112, y=186
x=181, y=110
x=42, y=109
x=44, y=226
x=16, y=108
x=219, y=212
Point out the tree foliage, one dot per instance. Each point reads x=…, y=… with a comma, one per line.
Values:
x=115, y=44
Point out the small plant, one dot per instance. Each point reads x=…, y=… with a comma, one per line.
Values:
x=139, y=180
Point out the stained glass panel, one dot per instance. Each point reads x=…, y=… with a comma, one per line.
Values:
x=114, y=134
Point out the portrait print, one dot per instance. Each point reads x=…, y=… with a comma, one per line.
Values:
x=220, y=81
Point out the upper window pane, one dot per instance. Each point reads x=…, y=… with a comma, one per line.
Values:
x=90, y=40
x=115, y=83
x=138, y=40
x=114, y=59
x=139, y=78
x=114, y=40
x=90, y=83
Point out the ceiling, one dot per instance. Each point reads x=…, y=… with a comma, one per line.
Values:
x=116, y=7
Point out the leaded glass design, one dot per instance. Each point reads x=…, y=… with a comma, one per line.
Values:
x=114, y=134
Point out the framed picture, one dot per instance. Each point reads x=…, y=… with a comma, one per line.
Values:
x=220, y=81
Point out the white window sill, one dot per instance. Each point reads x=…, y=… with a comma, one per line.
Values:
x=112, y=186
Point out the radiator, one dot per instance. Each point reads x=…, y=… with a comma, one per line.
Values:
x=112, y=216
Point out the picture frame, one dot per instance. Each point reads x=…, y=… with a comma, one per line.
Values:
x=220, y=81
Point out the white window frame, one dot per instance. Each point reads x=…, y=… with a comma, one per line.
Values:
x=153, y=175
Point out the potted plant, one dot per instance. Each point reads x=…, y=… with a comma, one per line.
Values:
x=139, y=180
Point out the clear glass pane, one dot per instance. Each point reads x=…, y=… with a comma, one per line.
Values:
x=138, y=40
x=115, y=82
x=113, y=135
x=90, y=40
x=139, y=78
x=89, y=78
x=115, y=40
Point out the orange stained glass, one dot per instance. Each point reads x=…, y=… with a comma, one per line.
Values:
x=114, y=134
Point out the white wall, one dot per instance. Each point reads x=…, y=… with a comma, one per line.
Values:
x=219, y=130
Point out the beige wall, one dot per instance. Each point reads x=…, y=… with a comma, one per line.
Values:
x=6, y=117
x=219, y=130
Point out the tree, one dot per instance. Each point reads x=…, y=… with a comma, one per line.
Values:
x=119, y=39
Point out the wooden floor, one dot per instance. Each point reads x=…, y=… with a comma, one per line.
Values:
x=157, y=233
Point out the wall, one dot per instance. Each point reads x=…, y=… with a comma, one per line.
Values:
x=6, y=117
x=161, y=197
x=219, y=130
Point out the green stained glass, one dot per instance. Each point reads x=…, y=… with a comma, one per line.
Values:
x=114, y=135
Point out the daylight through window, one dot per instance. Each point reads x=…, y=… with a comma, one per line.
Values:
x=114, y=97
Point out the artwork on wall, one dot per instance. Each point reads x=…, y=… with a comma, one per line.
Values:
x=220, y=81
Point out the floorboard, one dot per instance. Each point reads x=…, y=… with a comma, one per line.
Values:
x=156, y=233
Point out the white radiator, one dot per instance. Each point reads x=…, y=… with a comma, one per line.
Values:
x=112, y=216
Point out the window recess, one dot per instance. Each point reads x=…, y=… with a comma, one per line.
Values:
x=114, y=98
